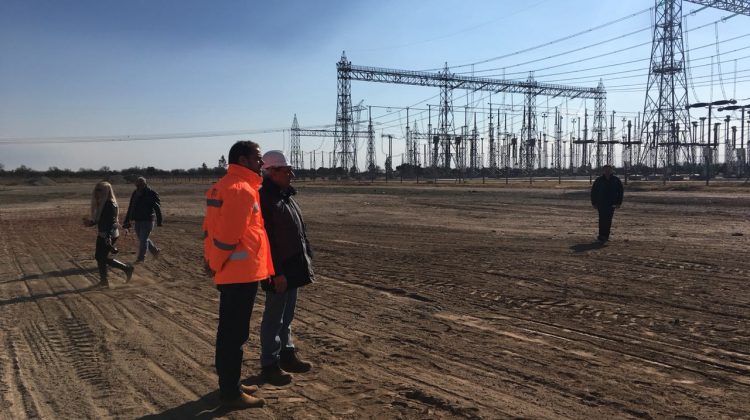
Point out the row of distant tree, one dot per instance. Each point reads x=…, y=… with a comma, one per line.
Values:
x=24, y=171
x=404, y=170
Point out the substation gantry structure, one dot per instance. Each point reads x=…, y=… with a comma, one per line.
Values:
x=665, y=129
x=446, y=148
x=349, y=162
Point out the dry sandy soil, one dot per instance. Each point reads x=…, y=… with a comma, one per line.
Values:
x=431, y=302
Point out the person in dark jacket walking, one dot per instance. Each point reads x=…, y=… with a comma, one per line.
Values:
x=606, y=196
x=104, y=214
x=144, y=209
x=292, y=260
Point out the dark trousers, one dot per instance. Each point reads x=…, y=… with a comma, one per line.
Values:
x=102, y=258
x=235, y=306
x=605, y=220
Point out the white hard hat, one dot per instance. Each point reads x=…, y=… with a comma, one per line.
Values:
x=275, y=159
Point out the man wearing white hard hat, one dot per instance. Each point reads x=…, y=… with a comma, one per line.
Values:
x=292, y=260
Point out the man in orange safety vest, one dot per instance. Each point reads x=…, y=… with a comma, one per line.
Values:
x=238, y=255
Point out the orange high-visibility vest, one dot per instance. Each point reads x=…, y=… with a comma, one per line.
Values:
x=235, y=244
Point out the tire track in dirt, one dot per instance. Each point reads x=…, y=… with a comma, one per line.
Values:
x=608, y=333
x=404, y=286
x=630, y=318
x=158, y=372
x=23, y=403
x=348, y=327
x=75, y=344
x=739, y=369
x=461, y=366
x=86, y=350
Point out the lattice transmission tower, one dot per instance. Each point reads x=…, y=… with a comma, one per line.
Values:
x=296, y=151
x=665, y=114
x=343, y=153
x=371, y=164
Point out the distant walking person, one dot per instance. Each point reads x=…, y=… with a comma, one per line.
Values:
x=292, y=256
x=104, y=214
x=144, y=209
x=606, y=196
x=237, y=254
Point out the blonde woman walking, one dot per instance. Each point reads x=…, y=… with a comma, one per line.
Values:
x=104, y=214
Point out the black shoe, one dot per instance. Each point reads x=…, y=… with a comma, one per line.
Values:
x=290, y=362
x=273, y=375
x=129, y=273
x=155, y=252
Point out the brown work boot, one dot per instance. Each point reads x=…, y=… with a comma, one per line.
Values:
x=272, y=374
x=249, y=389
x=243, y=401
x=290, y=362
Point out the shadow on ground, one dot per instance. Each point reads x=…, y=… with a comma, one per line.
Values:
x=20, y=299
x=57, y=273
x=587, y=247
x=205, y=408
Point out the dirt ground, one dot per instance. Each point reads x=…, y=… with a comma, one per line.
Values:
x=431, y=302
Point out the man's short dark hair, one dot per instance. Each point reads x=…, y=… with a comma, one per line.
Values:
x=242, y=148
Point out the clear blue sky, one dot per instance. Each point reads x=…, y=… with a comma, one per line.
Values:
x=105, y=68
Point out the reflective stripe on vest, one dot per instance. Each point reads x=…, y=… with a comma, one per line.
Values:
x=211, y=202
x=224, y=247
x=239, y=255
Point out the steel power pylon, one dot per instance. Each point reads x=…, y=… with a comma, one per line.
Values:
x=296, y=151
x=354, y=145
x=447, y=82
x=297, y=132
x=474, y=158
x=445, y=120
x=528, y=127
x=665, y=108
x=493, y=144
x=343, y=153
x=370, y=164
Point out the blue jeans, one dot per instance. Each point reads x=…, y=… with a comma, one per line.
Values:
x=275, y=333
x=143, y=231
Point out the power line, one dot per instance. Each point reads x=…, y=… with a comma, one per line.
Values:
x=595, y=78
x=139, y=137
x=606, y=66
x=546, y=44
x=577, y=61
x=585, y=47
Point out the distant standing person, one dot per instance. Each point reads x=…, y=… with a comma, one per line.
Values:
x=606, y=196
x=292, y=263
x=144, y=209
x=237, y=254
x=104, y=214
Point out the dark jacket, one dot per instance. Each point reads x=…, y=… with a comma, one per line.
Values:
x=290, y=249
x=106, y=225
x=143, y=206
x=606, y=193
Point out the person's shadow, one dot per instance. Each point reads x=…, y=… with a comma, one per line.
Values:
x=586, y=247
x=205, y=408
x=32, y=298
x=49, y=274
